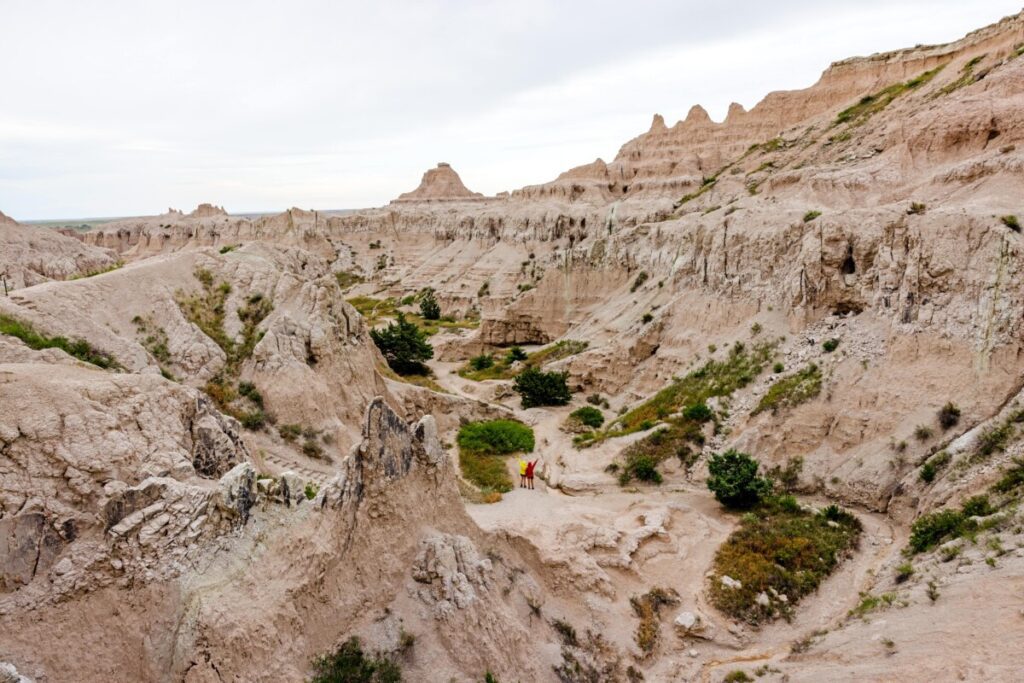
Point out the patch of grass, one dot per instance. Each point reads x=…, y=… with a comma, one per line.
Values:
x=869, y=105
x=916, y=209
x=923, y=432
x=99, y=271
x=78, y=348
x=589, y=416
x=811, y=215
x=994, y=438
x=481, y=444
x=154, y=340
x=714, y=378
x=778, y=550
x=737, y=676
x=791, y=391
x=374, y=310
x=502, y=367
x=648, y=608
x=967, y=77
x=349, y=664
x=228, y=248
x=1012, y=222
x=1012, y=479
x=904, y=572
x=347, y=280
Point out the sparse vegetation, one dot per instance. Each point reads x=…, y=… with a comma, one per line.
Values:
x=502, y=367
x=481, y=362
x=1012, y=222
x=916, y=209
x=648, y=608
x=811, y=215
x=791, y=391
x=714, y=378
x=154, y=340
x=830, y=345
x=780, y=550
x=904, y=572
x=347, y=280
x=923, y=432
x=869, y=105
x=228, y=248
x=641, y=278
x=98, y=271
x=934, y=465
x=967, y=77
x=737, y=676
x=538, y=388
x=349, y=664
x=646, y=318
x=641, y=459
x=32, y=338
x=404, y=346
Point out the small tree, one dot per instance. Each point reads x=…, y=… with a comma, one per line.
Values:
x=429, y=308
x=542, y=388
x=734, y=480
x=404, y=346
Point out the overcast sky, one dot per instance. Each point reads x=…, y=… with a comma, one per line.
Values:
x=125, y=108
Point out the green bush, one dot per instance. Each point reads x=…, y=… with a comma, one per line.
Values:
x=589, y=416
x=949, y=415
x=934, y=464
x=404, y=346
x=497, y=437
x=698, y=412
x=481, y=362
x=1012, y=222
x=349, y=664
x=249, y=390
x=645, y=468
x=429, y=308
x=253, y=420
x=811, y=215
x=1011, y=479
x=932, y=529
x=830, y=345
x=538, y=388
x=977, y=506
x=79, y=348
x=734, y=481
x=516, y=353
x=646, y=318
x=641, y=278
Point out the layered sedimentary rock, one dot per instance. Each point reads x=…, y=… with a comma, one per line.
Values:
x=31, y=255
x=439, y=184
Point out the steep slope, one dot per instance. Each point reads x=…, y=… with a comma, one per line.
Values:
x=29, y=255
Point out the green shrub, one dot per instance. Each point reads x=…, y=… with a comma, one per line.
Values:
x=645, y=469
x=788, y=477
x=949, y=415
x=311, y=490
x=589, y=416
x=497, y=437
x=932, y=529
x=934, y=464
x=778, y=368
x=1011, y=479
x=734, y=481
x=641, y=278
x=904, y=572
x=311, y=449
x=1012, y=222
x=429, y=308
x=923, y=432
x=698, y=412
x=481, y=362
x=737, y=676
x=538, y=388
x=515, y=354
x=79, y=348
x=977, y=506
x=349, y=664
x=290, y=432
x=916, y=208
x=791, y=391
x=253, y=420
x=404, y=346
x=249, y=390
x=811, y=215
x=830, y=345
x=646, y=318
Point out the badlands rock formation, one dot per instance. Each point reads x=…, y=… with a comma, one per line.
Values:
x=170, y=525
x=441, y=184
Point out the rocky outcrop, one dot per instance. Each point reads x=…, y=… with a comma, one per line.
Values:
x=441, y=184
x=29, y=256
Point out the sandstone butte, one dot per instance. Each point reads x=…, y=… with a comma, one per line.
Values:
x=213, y=474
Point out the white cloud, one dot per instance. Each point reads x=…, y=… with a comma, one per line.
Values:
x=117, y=108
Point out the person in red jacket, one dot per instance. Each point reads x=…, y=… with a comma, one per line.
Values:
x=529, y=473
